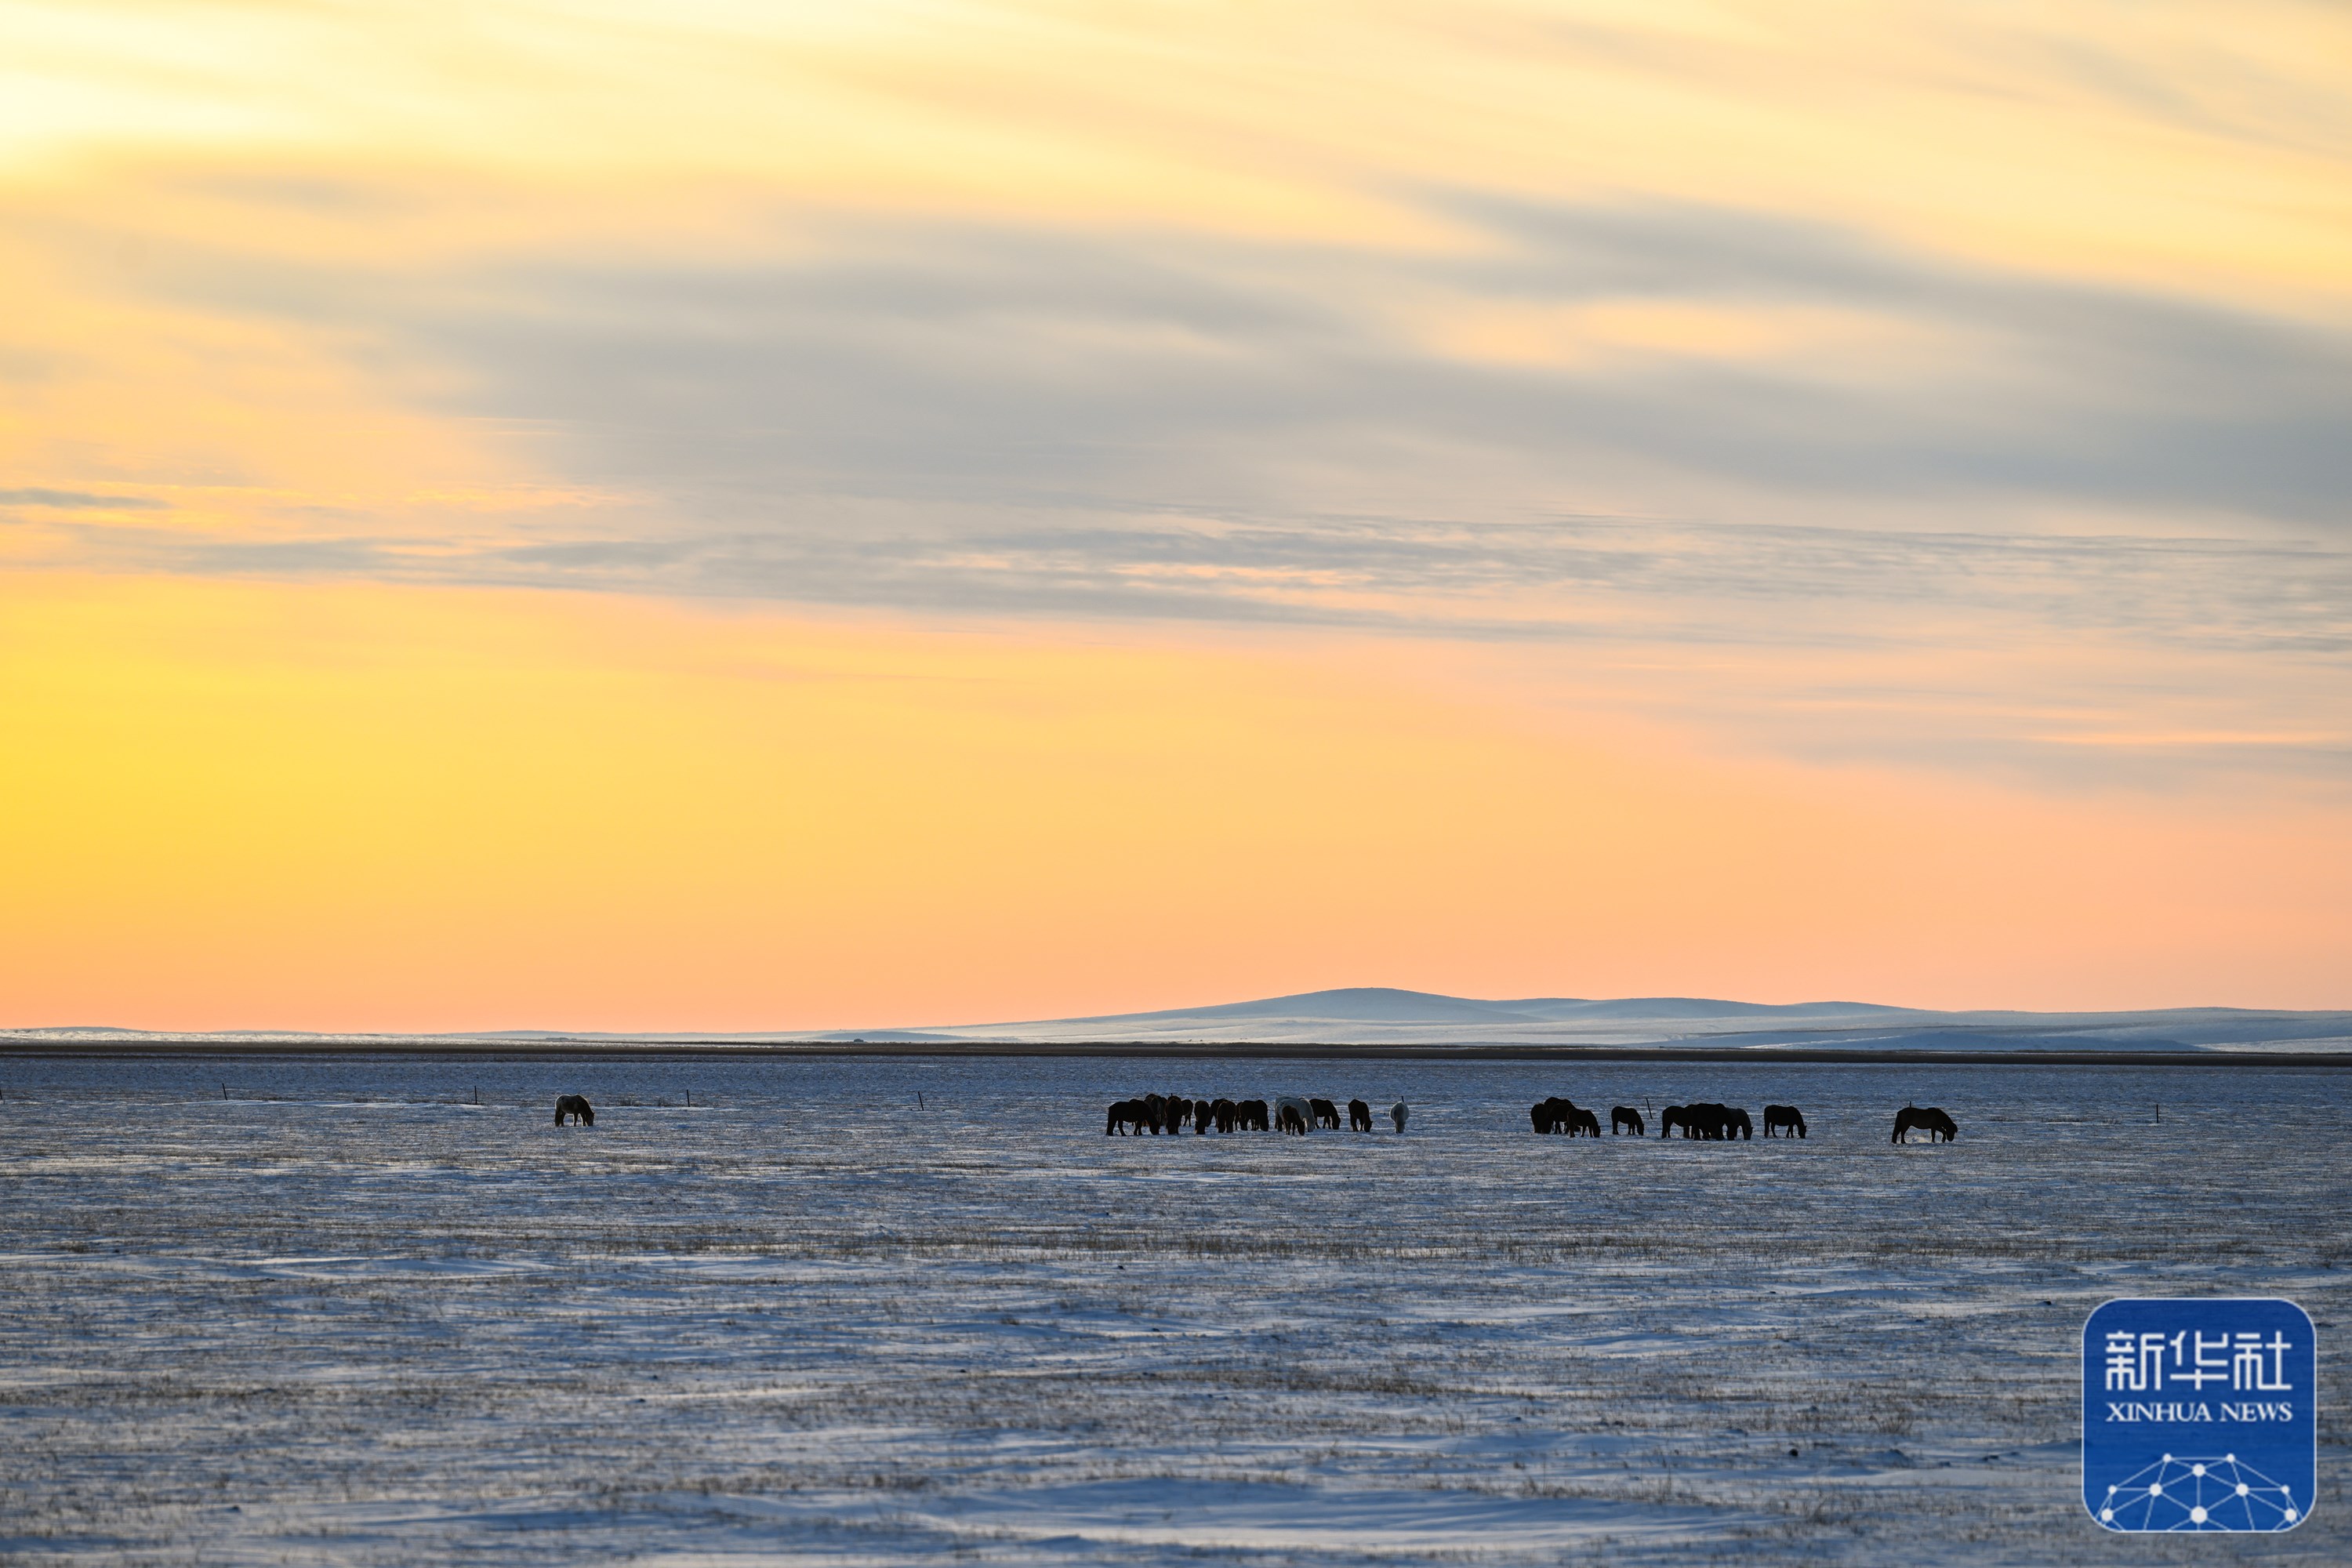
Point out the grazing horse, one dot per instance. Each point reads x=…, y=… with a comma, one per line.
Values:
x=1582, y=1120
x=1706, y=1119
x=1784, y=1116
x=1621, y=1117
x=1397, y=1114
x=576, y=1108
x=1711, y=1120
x=1250, y=1116
x=1938, y=1125
x=1359, y=1116
x=1325, y=1114
x=1672, y=1117
x=1222, y=1112
x=1554, y=1114
x=1125, y=1116
x=1293, y=1115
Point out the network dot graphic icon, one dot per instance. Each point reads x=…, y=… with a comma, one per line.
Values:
x=2200, y=1414
x=2220, y=1493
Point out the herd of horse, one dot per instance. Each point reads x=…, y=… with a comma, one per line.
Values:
x=1720, y=1123
x=1704, y=1120
x=1171, y=1113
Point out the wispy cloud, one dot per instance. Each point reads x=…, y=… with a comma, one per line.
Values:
x=79, y=500
x=1001, y=422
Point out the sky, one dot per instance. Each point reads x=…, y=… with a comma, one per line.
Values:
x=743, y=517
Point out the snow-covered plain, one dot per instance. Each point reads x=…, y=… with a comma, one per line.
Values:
x=347, y=1316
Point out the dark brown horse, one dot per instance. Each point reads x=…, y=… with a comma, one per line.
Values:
x=1624, y=1116
x=1787, y=1117
x=1939, y=1127
x=1706, y=1119
x=1359, y=1116
x=575, y=1108
x=1555, y=1114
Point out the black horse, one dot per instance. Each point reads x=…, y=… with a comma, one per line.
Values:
x=1786, y=1118
x=1621, y=1117
x=1359, y=1116
x=1250, y=1116
x=1397, y=1114
x=1703, y=1119
x=1672, y=1117
x=576, y=1107
x=1555, y=1114
x=1710, y=1121
x=1286, y=1119
x=1125, y=1116
x=1939, y=1126
x=1325, y=1114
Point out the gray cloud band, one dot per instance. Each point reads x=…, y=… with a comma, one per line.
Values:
x=1006, y=423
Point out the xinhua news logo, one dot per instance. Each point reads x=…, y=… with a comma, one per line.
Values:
x=2198, y=1414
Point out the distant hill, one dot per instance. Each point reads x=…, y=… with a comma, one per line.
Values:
x=1386, y=1005
x=1386, y=1016
x=1372, y=1014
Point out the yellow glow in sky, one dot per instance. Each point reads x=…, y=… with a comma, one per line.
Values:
x=265, y=806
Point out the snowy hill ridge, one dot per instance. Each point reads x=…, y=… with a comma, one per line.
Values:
x=1374, y=1015
x=1385, y=1016
x=1383, y=1004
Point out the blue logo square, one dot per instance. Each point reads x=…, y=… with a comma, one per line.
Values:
x=2199, y=1412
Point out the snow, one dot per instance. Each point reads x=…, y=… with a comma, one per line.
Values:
x=345, y=1316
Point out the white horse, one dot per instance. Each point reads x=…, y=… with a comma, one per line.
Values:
x=1397, y=1114
x=1292, y=1102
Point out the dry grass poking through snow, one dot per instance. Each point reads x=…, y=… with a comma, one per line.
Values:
x=358, y=1321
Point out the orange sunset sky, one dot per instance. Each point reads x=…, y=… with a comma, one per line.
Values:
x=740, y=517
